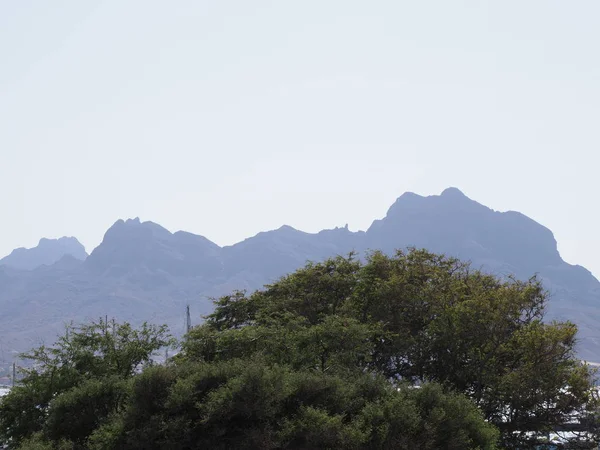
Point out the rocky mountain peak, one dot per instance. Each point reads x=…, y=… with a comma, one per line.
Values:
x=135, y=245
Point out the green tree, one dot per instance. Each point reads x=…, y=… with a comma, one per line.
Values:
x=251, y=404
x=416, y=317
x=74, y=385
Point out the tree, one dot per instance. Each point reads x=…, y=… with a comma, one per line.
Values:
x=74, y=385
x=416, y=317
x=252, y=404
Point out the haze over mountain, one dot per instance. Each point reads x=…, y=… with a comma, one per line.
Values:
x=47, y=252
x=141, y=271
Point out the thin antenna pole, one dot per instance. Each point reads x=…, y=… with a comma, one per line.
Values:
x=14, y=374
x=188, y=320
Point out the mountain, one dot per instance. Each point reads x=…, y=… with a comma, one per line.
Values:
x=47, y=252
x=453, y=224
x=133, y=245
x=141, y=271
x=268, y=255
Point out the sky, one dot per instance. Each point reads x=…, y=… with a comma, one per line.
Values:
x=226, y=118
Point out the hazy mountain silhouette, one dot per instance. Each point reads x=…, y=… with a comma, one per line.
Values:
x=47, y=252
x=453, y=224
x=141, y=271
x=133, y=245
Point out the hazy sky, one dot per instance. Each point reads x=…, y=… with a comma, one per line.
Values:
x=225, y=118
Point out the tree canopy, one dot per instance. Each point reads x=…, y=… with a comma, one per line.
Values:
x=416, y=317
x=414, y=350
x=74, y=385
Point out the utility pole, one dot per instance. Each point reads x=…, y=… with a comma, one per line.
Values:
x=188, y=320
x=14, y=374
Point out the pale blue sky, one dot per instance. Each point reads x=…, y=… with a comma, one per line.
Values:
x=225, y=118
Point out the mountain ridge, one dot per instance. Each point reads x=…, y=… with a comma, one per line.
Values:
x=142, y=271
x=47, y=252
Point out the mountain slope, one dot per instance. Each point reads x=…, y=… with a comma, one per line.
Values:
x=47, y=252
x=133, y=245
x=141, y=271
x=452, y=223
x=269, y=255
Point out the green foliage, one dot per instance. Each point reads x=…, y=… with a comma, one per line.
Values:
x=437, y=420
x=416, y=317
x=76, y=413
x=74, y=385
x=337, y=343
x=39, y=442
x=247, y=404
